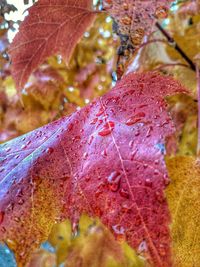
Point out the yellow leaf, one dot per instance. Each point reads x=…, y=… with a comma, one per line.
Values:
x=94, y=246
x=184, y=201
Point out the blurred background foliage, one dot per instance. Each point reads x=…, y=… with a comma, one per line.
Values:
x=55, y=90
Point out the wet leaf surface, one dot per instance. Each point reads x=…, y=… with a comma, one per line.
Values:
x=97, y=162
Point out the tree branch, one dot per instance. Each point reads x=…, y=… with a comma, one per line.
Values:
x=176, y=46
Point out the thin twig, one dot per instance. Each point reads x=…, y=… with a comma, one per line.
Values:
x=176, y=46
x=198, y=95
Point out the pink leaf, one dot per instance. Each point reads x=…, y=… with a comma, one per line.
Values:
x=105, y=160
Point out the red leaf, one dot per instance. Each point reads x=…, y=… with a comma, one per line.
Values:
x=52, y=27
x=69, y=167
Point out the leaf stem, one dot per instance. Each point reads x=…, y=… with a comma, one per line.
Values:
x=176, y=46
x=198, y=95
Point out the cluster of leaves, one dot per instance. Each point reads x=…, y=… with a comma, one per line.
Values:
x=127, y=158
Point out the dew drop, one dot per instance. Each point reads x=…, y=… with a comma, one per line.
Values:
x=104, y=153
x=161, y=147
x=107, y=129
x=137, y=133
x=114, y=181
x=94, y=121
x=100, y=112
x=3, y=229
x=28, y=143
x=75, y=229
x=124, y=193
x=1, y=216
x=149, y=131
x=49, y=150
x=142, y=247
x=91, y=138
x=145, y=166
x=85, y=155
x=131, y=143
x=87, y=178
x=17, y=219
x=21, y=201
x=23, y=146
x=126, y=207
x=70, y=127
x=136, y=118
x=156, y=172
x=148, y=182
x=119, y=232
x=133, y=153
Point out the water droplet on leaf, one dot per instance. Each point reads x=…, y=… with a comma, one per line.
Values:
x=1, y=216
x=131, y=143
x=21, y=201
x=104, y=153
x=137, y=133
x=85, y=155
x=156, y=172
x=91, y=138
x=126, y=207
x=148, y=182
x=119, y=232
x=136, y=118
x=100, y=112
x=49, y=150
x=75, y=229
x=94, y=121
x=142, y=247
x=107, y=129
x=114, y=181
x=124, y=193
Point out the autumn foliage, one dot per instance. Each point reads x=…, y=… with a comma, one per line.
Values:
x=126, y=160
